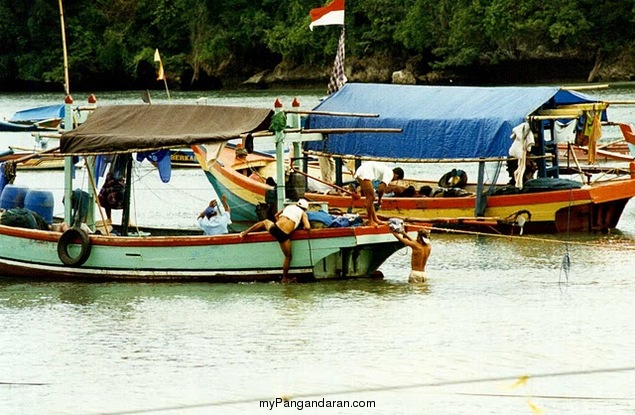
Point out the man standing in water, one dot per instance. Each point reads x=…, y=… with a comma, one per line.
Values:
x=421, y=248
x=375, y=171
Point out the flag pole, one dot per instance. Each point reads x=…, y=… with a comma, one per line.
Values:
x=157, y=58
x=166, y=87
x=66, y=80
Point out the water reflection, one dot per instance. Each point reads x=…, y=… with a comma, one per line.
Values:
x=22, y=294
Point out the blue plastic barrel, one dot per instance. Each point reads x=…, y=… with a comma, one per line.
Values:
x=13, y=196
x=41, y=202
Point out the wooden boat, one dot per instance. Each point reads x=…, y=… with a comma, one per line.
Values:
x=617, y=151
x=592, y=208
x=458, y=125
x=153, y=254
x=629, y=136
x=183, y=158
x=34, y=160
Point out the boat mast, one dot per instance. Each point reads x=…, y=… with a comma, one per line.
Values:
x=67, y=87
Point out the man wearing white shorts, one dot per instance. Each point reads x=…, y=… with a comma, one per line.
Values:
x=421, y=248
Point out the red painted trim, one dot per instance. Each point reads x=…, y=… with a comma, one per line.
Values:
x=171, y=241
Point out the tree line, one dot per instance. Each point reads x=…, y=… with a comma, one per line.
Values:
x=220, y=43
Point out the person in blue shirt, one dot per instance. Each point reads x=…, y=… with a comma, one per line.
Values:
x=212, y=221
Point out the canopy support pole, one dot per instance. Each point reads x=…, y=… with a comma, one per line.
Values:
x=68, y=164
x=125, y=220
x=481, y=198
x=281, y=191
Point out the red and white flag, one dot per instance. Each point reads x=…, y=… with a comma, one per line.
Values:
x=331, y=14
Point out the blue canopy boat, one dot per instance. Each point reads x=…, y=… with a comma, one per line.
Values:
x=442, y=124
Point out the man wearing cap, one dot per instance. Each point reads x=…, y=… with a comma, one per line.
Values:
x=212, y=221
x=369, y=172
x=287, y=221
x=420, y=252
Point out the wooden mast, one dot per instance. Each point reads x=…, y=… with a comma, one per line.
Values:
x=67, y=87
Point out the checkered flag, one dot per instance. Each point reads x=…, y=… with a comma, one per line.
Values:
x=338, y=77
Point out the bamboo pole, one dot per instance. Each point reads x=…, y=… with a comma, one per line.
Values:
x=333, y=113
x=66, y=77
x=414, y=160
x=585, y=87
x=352, y=130
x=620, y=102
x=167, y=91
x=47, y=135
x=36, y=154
x=577, y=163
x=325, y=131
x=341, y=189
x=93, y=186
x=603, y=146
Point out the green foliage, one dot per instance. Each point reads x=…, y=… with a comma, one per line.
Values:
x=112, y=42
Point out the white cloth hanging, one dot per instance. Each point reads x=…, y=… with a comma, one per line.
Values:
x=565, y=132
x=523, y=142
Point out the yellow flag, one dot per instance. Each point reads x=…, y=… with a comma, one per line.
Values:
x=161, y=73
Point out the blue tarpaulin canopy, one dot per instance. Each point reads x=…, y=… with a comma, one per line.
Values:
x=438, y=122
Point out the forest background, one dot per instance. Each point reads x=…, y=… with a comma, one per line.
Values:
x=214, y=44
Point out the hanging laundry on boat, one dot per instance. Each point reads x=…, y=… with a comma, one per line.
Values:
x=523, y=142
x=564, y=132
x=161, y=158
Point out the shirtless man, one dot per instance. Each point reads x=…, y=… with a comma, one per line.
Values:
x=375, y=171
x=287, y=221
x=420, y=252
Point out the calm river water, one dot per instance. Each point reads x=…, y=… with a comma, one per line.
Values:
x=499, y=328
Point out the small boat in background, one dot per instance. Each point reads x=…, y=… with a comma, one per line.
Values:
x=34, y=160
x=629, y=136
x=44, y=118
x=615, y=151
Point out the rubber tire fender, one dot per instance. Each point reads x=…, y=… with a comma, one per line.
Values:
x=445, y=180
x=70, y=236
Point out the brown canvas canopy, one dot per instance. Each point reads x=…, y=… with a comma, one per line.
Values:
x=132, y=128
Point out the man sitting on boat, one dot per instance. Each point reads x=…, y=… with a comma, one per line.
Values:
x=287, y=221
x=212, y=221
x=369, y=172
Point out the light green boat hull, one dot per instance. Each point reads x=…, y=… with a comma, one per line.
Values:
x=317, y=254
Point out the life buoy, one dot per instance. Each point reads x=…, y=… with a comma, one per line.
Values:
x=453, y=178
x=71, y=236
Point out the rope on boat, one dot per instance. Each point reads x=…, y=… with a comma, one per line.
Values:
x=529, y=238
x=566, y=258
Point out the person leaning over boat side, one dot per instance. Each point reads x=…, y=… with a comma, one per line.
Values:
x=212, y=221
x=375, y=171
x=287, y=221
x=421, y=249
x=112, y=194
